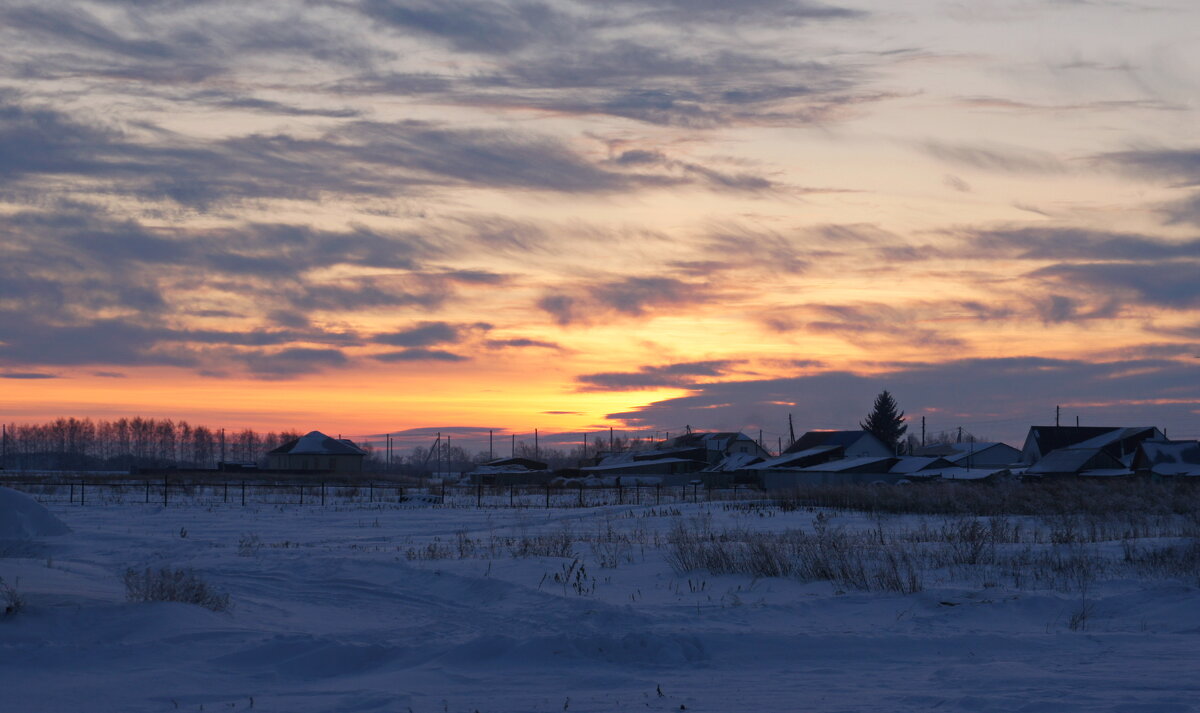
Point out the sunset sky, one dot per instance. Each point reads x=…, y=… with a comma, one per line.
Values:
x=378, y=216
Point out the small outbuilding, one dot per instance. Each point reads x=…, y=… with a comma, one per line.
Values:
x=319, y=453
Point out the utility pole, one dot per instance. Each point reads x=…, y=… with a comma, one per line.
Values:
x=779, y=451
x=3, y=445
x=959, y=435
x=490, y=457
x=791, y=432
x=760, y=441
x=222, y=445
x=1076, y=420
x=535, y=444
x=1057, y=411
x=610, y=439
x=922, y=431
x=513, y=454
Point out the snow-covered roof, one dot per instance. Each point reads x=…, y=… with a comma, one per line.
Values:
x=315, y=443
x=736, y=461
x=713, y=441
x=970, y=473
x=1171, y=457
x=813, y=439
x=639, y=463
x=510, y=465
x=914, y=464
x=959, y=452
x=787, y=459
x=1113, y=436
x=1072, y=460
x=844, y=464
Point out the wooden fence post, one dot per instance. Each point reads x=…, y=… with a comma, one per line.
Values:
x=243, y=493
x=147, y=492
x=371, y=492
x=581, y=495
x=657, y=493
x=322, y=493
x=547, y=496
x=479, y=495
x=82, y=489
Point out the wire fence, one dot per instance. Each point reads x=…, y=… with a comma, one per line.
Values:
x=165, y=493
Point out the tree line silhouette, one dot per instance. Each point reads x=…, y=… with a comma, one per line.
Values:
x=155, y=443
x=124, y=443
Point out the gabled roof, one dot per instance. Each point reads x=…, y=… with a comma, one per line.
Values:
x=848, y=464
x=916, y=464
x=734, y=462
x=1117, y=435
x=1074, y=460
x=642, y=464
x=1052, y=438
x=813, y=439
x=964, y=454
x=658, y=453
x=958, y=451
x=799, y=459
x=315, y=443
x=713, y=441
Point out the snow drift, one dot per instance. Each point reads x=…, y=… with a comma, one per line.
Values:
x=23, y=518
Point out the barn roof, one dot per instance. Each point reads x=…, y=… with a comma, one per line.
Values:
x=916, y=464
x=848, y=464
x=1074, y=460
x=791, y=459
x=315, y=443
x=960, y=451
x=813, y=439
x=1052, y=438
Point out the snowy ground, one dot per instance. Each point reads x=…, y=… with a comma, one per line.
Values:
x=389, y=608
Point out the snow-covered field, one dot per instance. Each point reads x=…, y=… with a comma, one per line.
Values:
x=396, y=608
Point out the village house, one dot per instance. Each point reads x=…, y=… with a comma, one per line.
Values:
x=317, y=452
x=1119, y=443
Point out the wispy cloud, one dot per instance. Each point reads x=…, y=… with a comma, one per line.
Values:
x=678, y=375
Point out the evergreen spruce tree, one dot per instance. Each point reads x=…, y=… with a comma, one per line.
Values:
x=886, y=421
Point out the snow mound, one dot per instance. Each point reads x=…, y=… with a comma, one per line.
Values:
x=23, y=518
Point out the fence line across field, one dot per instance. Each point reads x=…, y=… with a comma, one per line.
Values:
x=164, y=492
